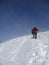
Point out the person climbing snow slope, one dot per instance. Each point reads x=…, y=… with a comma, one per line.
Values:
x=34, y=32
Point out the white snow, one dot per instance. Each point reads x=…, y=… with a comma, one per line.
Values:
x=25, y=50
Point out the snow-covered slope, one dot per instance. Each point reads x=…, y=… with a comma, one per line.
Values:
x=25, y=50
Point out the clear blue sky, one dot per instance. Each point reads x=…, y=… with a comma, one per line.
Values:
x=17, y=17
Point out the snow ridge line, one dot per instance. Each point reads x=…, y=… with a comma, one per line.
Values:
x=21, y=44
x=17, y=50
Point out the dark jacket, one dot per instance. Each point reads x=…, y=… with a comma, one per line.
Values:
x=35, y=29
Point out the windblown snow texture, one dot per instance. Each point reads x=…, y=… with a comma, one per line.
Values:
x=25, y=50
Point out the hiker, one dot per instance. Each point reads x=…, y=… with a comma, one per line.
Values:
x=34, y=32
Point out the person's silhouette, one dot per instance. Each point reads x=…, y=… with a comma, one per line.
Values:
x=34, y=32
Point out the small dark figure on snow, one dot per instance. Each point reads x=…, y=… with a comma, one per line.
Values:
x=34, y=32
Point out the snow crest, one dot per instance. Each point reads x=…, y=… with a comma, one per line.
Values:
x=26, y=50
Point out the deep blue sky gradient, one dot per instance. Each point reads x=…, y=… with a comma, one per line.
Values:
x=17, y=17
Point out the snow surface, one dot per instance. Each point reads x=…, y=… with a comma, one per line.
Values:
x=25, y=50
